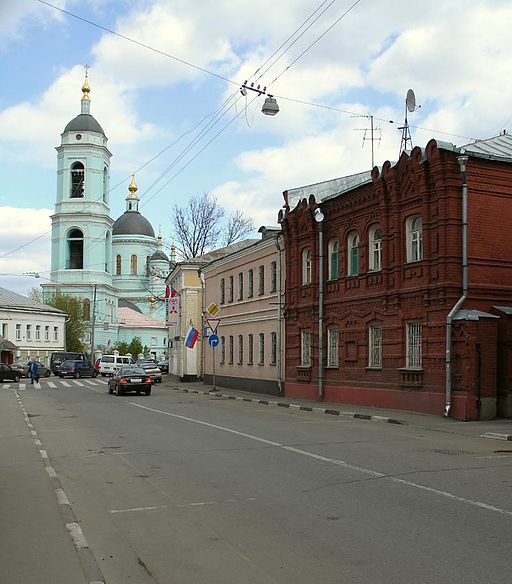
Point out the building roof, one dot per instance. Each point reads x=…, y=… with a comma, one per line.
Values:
x=124, y=303
x=84, y=123
x=159, y=255
x=468, y=314
x=506, y=309
x=6, y=345
x=13, y=301
x=495, y=147
x=132, y=223
x=128, y=318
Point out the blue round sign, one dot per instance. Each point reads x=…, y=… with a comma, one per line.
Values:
x=213, y=340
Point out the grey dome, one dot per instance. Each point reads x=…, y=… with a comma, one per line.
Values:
x=132, y=223
x=159, y=255
x=84, y=123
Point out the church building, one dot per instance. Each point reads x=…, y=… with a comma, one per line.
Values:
x=117, y=268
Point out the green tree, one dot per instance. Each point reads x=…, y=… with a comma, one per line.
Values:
x=76, y=325
x=122, y=346
x=135, y=348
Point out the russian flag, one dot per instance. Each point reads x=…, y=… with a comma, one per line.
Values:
x=170, y=292
x=191, y=338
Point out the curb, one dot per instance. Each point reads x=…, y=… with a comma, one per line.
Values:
x=497, y=436
x=316, y=410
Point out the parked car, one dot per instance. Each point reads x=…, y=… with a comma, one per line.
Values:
x=21, y=365
x=7, y=373
x=77, y=369
x=130, y=378
x=109, y=364
x=59, y=357
x=151, y=369
x=163, y=366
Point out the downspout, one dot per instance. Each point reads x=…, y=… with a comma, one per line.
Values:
x=279, y=318
x=203, y=308
x=462, y=160
x=320, y=310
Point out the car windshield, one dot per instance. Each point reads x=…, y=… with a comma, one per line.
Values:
x=131, y=371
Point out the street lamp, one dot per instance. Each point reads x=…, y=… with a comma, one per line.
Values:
x=270, y=107
x=319, y=218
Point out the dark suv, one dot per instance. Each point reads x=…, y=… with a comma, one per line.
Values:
x=6, y=372
x=77, y=369
x=57, y=358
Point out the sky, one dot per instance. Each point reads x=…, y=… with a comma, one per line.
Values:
x=166, y=90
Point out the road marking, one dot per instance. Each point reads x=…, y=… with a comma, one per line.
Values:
x=77, y=535
x=51, y=472
x=38, y=442
x=61, y=497
x=342, y=463
x=51, y=384
x=65, y=384
x=137, y=509
x=43, y=454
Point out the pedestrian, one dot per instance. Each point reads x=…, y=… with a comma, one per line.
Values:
x=33, y=370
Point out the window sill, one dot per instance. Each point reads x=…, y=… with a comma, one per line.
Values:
x=412, y=369
x=332, y=366
x=374, y=368
x=303, y=367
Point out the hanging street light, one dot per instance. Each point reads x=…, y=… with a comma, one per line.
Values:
x=270, y=107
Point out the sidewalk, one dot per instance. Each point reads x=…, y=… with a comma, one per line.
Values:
x=500, y=429
x=35, y=547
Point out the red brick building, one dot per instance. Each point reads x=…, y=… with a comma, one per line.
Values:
x=414, y=306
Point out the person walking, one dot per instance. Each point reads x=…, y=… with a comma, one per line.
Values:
x=33, y=370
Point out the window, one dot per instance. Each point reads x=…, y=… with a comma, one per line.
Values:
x=306, y=267
x=250, y=291
x=334, y=259
x=240, y=286
x=305, y=348
x=108, y=252
x=148, y=265
x=118, y=265
x=413, y=347
x=87, y=309
x=38, y=332
x=223, y=349
x=75, y=260
x=375, y=345
x=105, y=184
x=273, y=348
x=222, y=291
x=77, y=180
x=4, y=330
x=261, y=284
x=333, y=337
x=240, y=349
x=46, y=333
x=133, y=265
x=262, y=349
x=18, y=332
x=353, y=254
x=55, y=333
x=273, y=277
x=28, y=334
x=230, y=349
x=250, y=350
x=414, y=238
x=375, y=249
x=230, y=289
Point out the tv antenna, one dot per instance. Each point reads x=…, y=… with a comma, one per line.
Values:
x=371, y=130
x=410, y=106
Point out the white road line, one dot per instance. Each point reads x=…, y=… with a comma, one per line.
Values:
x=137, y=509
x=65, y=384
x=51, y=384
x=77, y=535
x=76, y=382
x=61, y=497
x=51, y=472
x=43, y=454
x=342, y=463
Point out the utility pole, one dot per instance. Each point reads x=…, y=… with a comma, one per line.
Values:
x=93, y=322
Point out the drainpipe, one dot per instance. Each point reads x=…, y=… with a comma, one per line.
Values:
x=319, y=218
x=279, y=317
x=462, y=160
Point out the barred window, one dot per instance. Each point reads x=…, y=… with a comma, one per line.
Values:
x=413, y=345
x=222, y=291
x=250, y=350
x=230, y=349
x=250, y=291
x=333, y=337
x=273, y=348
x=375, y=345
x=240, y=349
x=273, y=276
x=262, y=349
x=305, y=348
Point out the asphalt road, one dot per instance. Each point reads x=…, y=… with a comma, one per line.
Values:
x=189, y=489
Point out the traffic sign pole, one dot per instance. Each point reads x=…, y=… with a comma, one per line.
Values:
x=213, y=353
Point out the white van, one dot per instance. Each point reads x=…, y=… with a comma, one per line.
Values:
x=109, y=364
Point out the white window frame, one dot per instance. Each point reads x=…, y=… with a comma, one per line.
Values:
x=414, y=238
x=47, y=334
x=306, y=267
x=334, y=259
x=333, y=346
x=38, y=332
x=28, y=332
x=18, y=332
x=353, y=246
x=413, y=345
x=375, y=346
x=375, y=249
x=305, y=348
x=56, y=333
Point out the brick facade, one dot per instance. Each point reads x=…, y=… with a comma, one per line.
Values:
x=405, y=290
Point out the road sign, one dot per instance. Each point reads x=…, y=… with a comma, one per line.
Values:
x=213, y=309
x=213, y=324
x=213, y=341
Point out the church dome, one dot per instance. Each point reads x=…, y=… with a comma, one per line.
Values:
x=159, y=255
x=132, y=223
x=84, y=123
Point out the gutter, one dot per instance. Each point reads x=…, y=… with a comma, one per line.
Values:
x=279, y=317
x=462, y=160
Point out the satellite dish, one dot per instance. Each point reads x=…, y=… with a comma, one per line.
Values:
x=410, y=100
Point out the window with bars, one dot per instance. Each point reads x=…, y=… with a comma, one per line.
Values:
x=230, y=349
x=262, y=349
x=250, y=291
x=306, y=267
x=273, y=348
x=375, y=345
x=240, y=286
x=230, y=289
x=240, y=349
x=413, y=347
x=333, y=339
x=305, y=348
x=222, y=291
x=273, y=277
x=261, y=282
x=250, y=350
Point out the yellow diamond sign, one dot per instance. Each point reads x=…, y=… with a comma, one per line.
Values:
x=212, y=309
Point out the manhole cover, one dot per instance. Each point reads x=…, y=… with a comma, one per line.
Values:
x=451, y=452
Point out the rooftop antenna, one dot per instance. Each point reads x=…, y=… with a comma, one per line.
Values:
x=410, y=106
x=372, y=137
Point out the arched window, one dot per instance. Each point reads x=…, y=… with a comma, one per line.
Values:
x=118, y=265
x=75, y=259
x=353, y=254
x=148, y=259
x=334, y=259
x=108, y=252
x=77, y=180
x=306, y=267
x=414, y=238
x=375, y=249
x=87, y=309
x=133, y=265
x=105, y=184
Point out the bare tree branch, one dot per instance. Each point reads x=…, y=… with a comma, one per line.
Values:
x=238, y=226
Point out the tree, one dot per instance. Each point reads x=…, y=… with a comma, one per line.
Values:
x=135, y=348
x=122, y=347
x=36, y=294
x=76, y=325
x=198, y=226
